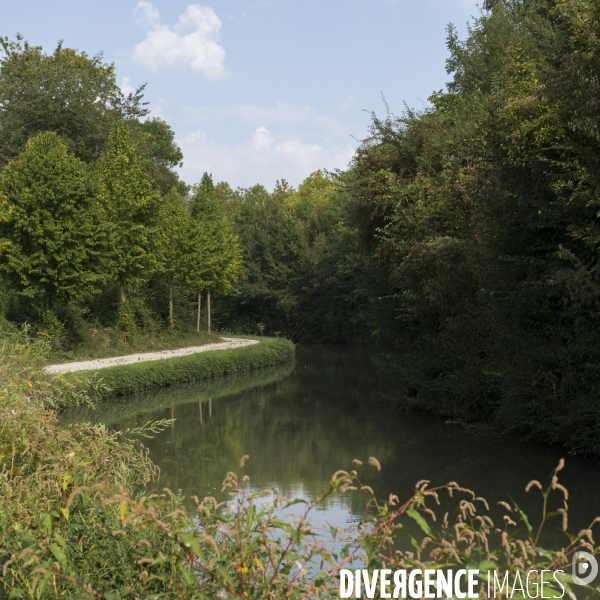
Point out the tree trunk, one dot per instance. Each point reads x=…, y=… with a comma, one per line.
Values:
x=199, y=307
x=208, y=308
x=122, y=288
x=171, y=303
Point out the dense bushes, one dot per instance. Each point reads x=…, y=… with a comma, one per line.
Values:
x=464, y=237
x=480, y=217
x=77, y=522
x=136, y=377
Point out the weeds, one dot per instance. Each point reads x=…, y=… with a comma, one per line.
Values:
x=74, y=523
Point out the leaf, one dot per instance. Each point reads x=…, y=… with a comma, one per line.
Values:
x=59, y=554
x=43, y=582
x=16, y=593
x=524, y=519
x=47, y=521
x=296, y=501
x=65, y=512
x=486, y=565
x=66, y=481
x=418, y=518
x=123, y=511
x=187, y=576
x=189, y=542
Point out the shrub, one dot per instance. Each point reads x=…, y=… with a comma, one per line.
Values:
x=137, y=377
x=78, y=521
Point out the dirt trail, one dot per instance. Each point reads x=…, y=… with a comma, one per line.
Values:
x=103, y=363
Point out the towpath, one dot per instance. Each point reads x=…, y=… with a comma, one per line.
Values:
x=103, y=363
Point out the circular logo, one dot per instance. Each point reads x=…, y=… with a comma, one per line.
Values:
x=585, y=568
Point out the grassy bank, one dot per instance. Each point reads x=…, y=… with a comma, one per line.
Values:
x=72, y=524
x=153, y=401
x=108, y=342
x=137, y=377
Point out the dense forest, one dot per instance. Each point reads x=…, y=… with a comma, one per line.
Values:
x=463, y=237
x=462, y=242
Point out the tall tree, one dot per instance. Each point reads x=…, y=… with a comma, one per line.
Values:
x=155, y=140
x=132, y=207
x=216, y=265
x=176, y=241
x=67, y=92
x=53, y=231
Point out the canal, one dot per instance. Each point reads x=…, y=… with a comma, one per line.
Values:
x=300, y=422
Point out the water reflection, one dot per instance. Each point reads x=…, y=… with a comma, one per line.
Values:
x=300, y=423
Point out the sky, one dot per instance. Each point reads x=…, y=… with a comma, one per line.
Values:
x=258, y=90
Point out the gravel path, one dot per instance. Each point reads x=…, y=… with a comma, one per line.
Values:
x=103, y=363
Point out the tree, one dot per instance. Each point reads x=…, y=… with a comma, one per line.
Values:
x=176, y=241
x=67, y=92
x=216, y=262
x=53, y=231
x=155, y=140
x=132, y=208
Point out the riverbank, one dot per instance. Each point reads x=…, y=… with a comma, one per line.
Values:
x=104, y=363
x=79, y=519
x=130, y=376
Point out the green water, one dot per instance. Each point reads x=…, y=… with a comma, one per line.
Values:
x=301, y=421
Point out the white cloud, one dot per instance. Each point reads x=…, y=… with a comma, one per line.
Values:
x=192, y=42
x=126, y=86
x=262, y=139
x=262, y=159
x=280, y=114
x=146, y=14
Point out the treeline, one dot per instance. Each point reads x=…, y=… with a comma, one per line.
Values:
x=465, y=236
x=95, y=225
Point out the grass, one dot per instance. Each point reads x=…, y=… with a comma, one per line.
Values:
x=155, y=400
x=138, y=377
x=72, y=524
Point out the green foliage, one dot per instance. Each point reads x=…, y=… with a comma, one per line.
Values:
x=215, y=261
x=301, y=262
x=479, y=218
x=53, y=231
x=73, y=525
x=132, y=207
x=69, y=93
x=136, y=377
x=155, y=140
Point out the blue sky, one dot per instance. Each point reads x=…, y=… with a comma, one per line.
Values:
x=258, y=90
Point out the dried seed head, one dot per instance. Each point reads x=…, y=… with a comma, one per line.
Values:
x=565, y=518
x=357, y=462
x=533, y=483
x=558, y=486
x=373, y=461
x=509, y=521
x=243, y=460
x=483, y=501
x=430, y=513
